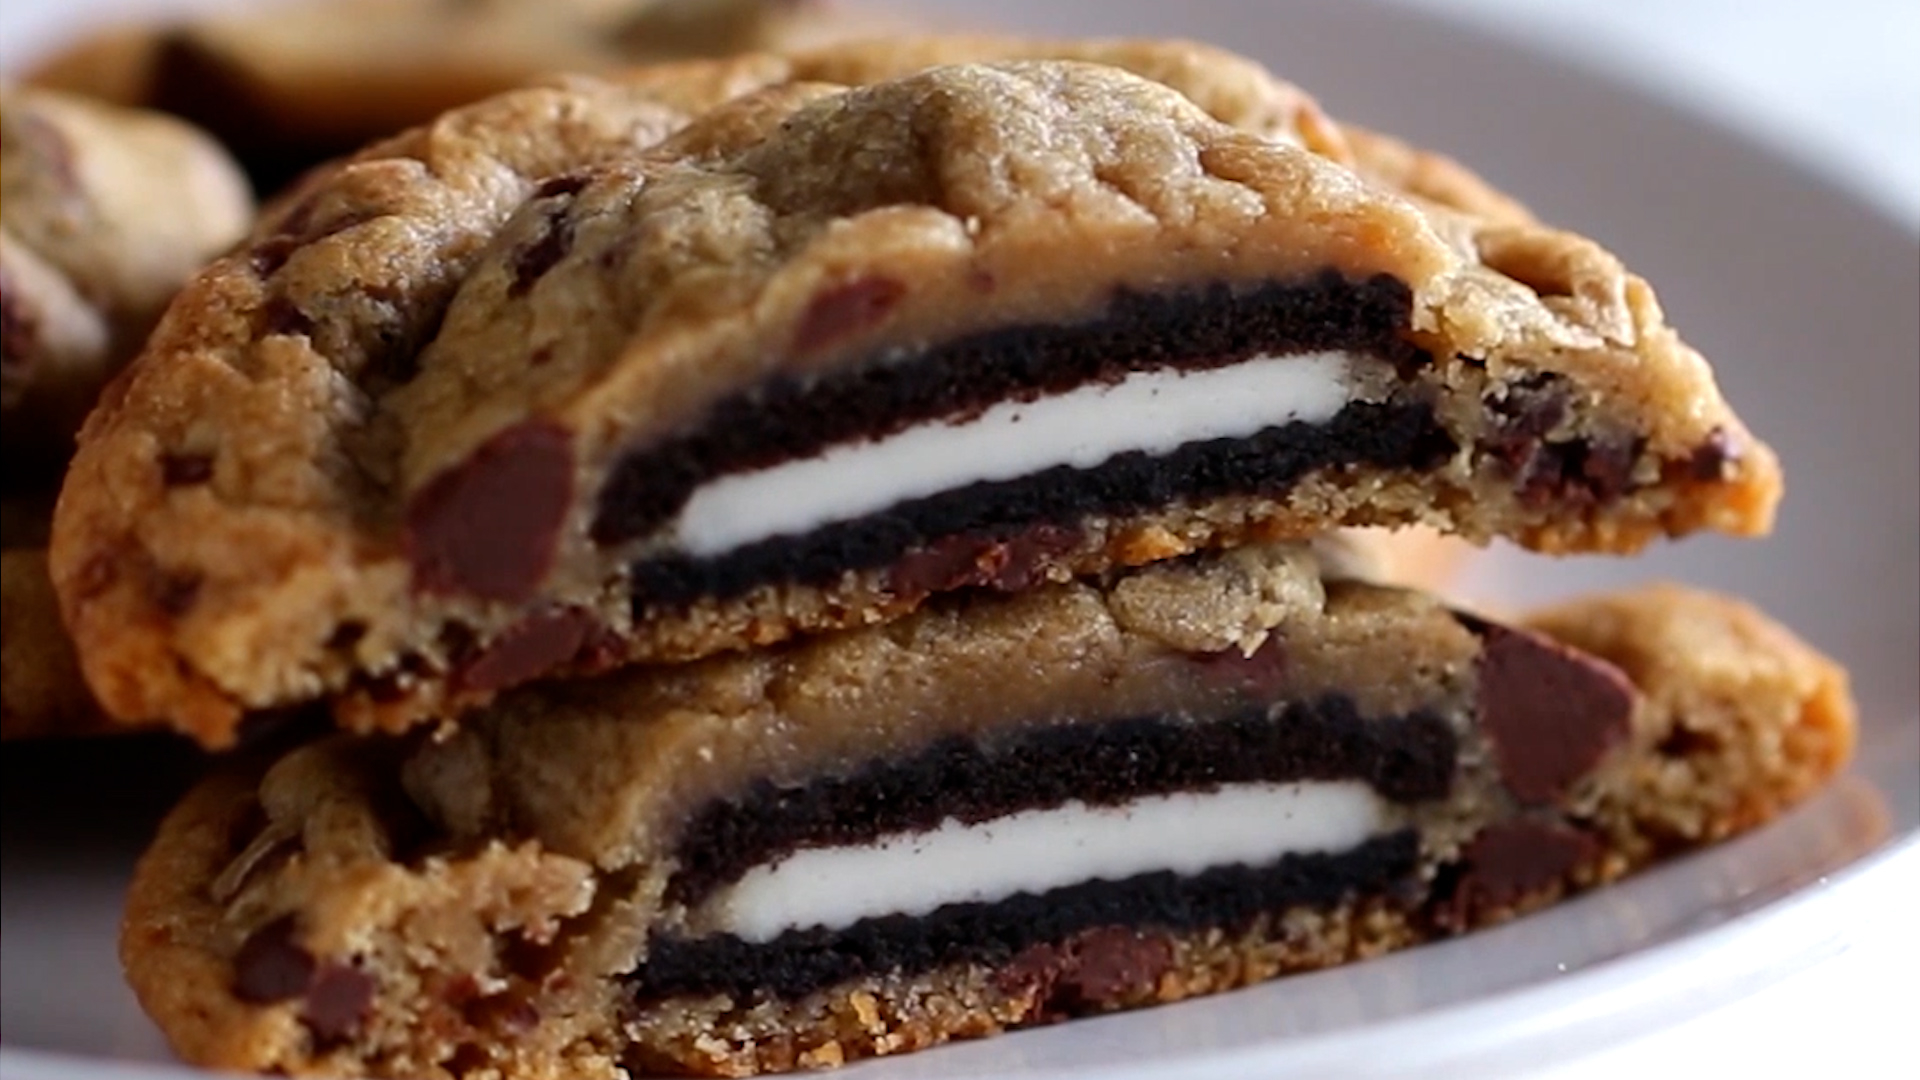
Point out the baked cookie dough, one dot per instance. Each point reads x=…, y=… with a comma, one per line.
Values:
x=508, y=397
x=104, y=213
x=996, y=812
x=289, y=86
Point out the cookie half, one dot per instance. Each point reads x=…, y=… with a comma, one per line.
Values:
x=987, y=815
x=822, y=355
x=106, y=213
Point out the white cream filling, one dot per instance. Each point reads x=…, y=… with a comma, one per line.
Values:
x=1037, y=850
x=1151, y=411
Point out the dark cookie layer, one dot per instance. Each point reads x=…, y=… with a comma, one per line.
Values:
x=1407, y=759
x=787, y=418
x=1386, y=436
x=802, y=961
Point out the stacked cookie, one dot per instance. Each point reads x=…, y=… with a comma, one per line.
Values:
x=820, y=554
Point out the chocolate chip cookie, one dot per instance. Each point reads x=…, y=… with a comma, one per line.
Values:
x=509, y=398
x=1086, y=797
x=290, y=86
x=104, y=214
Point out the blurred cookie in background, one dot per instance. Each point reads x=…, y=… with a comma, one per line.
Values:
x=104, y=212
x=292, y=85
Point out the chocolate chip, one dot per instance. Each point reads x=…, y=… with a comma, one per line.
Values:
x=564, y=184
x=299, y=229
x=1093, y=970
x=385, y=689
x=346, y=635
x=1506, y=863
x=337, y=1002
x=845, y=310
x=97, y=574
x=1532, y=408
x=1606, y=468
x=185, y=470
x=269, y=967
x=1712, y=460
x=1262, y=672
x=1686, y=742
x=530, y=263
x=508, y=1011
x=528, y=648
x=1007, y=565
x=174, y=593
x=269, y=255
x=490, y=526
x=1551, y=713
x=281, y=317
x=1543, y=471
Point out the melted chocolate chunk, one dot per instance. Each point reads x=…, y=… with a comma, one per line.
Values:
x=270, y=968
x=533, y=261
x=845, y=310
x=1408, y=759
x=1262, y=672
x=787, y=418
x=1091, y=971
x=1714, y=459
x=1383, y=435
x=1005, y=565
x=996, y=934
x=185, y=470
x=490, y=526
x=565, y=184
x=1504, y=864
x=527, y=649
x=1550, y=712
x=280, y=316
x=337, y=1003
x=174, y=592
x=1549, y=470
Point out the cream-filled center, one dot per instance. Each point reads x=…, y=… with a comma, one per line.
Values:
x=1037, y=850
x=1154, y=412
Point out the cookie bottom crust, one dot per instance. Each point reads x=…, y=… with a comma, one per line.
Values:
x=1098, y=970
x=179, y=957
x=1102, y=971
x=317, y=925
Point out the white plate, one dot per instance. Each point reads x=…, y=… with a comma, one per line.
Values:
x=1807, y=300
